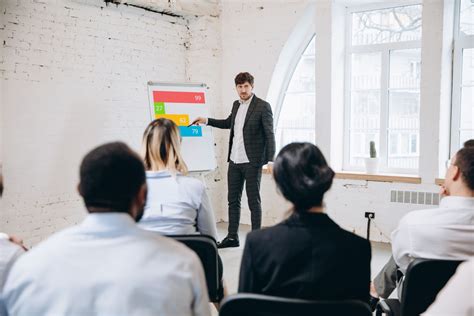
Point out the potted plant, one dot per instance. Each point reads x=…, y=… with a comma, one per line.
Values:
x=372, y=163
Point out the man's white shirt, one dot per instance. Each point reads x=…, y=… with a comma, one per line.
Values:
x=9, y=253
x=238, y=153
x=107, y=266
x=445, y=233
x=177, y=205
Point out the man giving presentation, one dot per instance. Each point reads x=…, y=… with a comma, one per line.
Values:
x=251, y=145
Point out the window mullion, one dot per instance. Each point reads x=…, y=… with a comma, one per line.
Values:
x=347, y=110
x=456, y=100
x=384, y=109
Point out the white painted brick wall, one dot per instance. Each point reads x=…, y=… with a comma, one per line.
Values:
x=203, y=65
x=74, y=75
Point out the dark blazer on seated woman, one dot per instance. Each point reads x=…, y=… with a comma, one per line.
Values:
x=307, y=256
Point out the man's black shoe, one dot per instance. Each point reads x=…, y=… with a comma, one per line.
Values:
x=228, y=242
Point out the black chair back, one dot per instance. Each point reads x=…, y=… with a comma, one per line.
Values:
x=423, y=280
x=263, y=305
x=206, y=249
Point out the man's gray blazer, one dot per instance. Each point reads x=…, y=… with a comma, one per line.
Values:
x=259, y=138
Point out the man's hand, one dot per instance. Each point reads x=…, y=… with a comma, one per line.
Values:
x=18, y=241
x=268, y=168
x=443, y=192
x=198, y=121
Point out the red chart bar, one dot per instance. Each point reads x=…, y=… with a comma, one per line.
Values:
x=178, y=97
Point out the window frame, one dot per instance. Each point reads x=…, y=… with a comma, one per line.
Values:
x=384, y=49
x=460, y=43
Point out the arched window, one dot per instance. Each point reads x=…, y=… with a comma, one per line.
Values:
x=462, y=116
x=295, y=111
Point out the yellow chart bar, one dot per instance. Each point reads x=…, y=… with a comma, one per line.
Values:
x=179, y=119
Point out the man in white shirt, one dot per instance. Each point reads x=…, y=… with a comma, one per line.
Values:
x=11, y=248
x=456, y=298
x=251, y=145
x=445, y=233
x=107, y=265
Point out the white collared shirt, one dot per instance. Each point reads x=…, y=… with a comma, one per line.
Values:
x=177, y=205
x=9, y=253
x=238, y=153
x=445, y=233
x=107, y=266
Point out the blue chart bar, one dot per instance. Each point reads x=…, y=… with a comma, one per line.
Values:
x=192, y=131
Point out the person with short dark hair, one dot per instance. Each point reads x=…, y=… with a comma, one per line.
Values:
x=251, y=145
x=107, y=265
x=445, y=233
x=469, y=143
x=307, y=255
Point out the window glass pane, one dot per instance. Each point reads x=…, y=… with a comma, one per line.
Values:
x=303, y=76
x=360, y=145
x=405, y=69
x=467, y=108
x=387, y=25
x=467, y=97
x=366, y=71
x=365, y=105
x=466, y=135
x=466, y=21
x=468, y=67
x=296, y=121
x=404, y=107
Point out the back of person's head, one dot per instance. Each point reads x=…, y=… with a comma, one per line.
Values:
x=464, y=161
x=111, y=178
x=161, y=147
x=302, y=175
x=469, y=143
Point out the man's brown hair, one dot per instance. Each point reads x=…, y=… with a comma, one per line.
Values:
x=465, y=162
x=243, y=77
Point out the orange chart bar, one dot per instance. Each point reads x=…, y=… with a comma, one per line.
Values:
x=179, y=119
x=178, y=97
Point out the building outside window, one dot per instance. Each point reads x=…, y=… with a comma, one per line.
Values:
x=383, y=66
x=462, y=124
x=295, y=115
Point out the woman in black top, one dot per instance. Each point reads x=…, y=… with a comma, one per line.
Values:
x=308, y=255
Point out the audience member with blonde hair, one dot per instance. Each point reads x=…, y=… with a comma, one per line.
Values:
x=176, y=204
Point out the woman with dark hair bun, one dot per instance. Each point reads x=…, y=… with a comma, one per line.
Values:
x=308, y=255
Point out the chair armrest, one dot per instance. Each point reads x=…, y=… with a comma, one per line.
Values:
x=389, y=307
